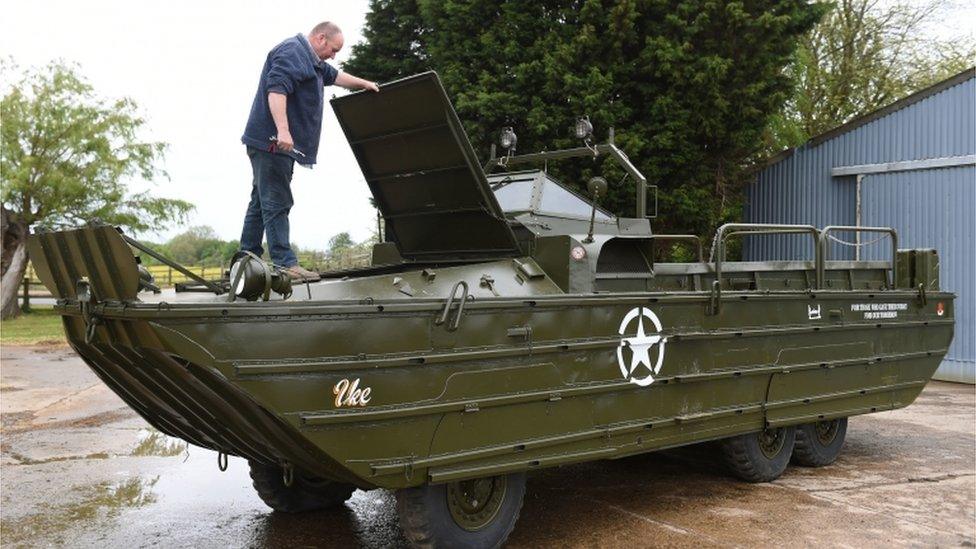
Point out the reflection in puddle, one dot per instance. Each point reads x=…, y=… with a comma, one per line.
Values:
x=368, y=519
x=101, y=501
x=154, y=443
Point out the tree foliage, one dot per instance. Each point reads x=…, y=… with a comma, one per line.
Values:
x=201, y=246
x=393, y=42
x=66, y=155
x=689, y=85
x=340, y=242
x=198, y=245
x=864, y=55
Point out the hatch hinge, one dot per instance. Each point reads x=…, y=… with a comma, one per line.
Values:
x=488, y=282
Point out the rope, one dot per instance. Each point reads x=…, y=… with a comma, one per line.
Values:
x=855, y=244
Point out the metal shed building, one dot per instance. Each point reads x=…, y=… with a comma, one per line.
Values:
x=910, y=166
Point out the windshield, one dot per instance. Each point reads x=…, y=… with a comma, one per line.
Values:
x=538, y=192
x=514, y=194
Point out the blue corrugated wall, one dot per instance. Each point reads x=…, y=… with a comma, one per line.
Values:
x=930, y=208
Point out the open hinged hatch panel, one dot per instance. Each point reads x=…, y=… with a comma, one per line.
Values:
x=423, y=173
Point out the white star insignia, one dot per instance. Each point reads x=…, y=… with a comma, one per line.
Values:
x=640, y=347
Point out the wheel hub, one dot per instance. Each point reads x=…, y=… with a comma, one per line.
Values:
x=474, y=503
x=827, y=431
x=771, y=441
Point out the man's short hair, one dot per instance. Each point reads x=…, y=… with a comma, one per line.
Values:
x=328, y=28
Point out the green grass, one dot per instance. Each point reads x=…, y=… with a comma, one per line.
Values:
x=39, y=326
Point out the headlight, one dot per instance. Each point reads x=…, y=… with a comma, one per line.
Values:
x=251, y=278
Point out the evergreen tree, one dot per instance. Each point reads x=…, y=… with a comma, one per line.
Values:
x=689, y=85
x=393, y=45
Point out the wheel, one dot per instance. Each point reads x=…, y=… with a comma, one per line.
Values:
x=478, y=513
x=819, y=444
x=304, y=494
x=759, y=457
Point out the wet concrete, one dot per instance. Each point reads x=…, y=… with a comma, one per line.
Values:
x=78, y=468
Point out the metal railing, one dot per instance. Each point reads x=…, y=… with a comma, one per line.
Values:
x=820, y=241
x=825, y=250
x=735, y=229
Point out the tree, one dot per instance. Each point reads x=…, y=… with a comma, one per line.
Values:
x=340, y=243
x=863, y=55
x=199, y=246
x=689, y=85
x=393, y=42
x=65, y=156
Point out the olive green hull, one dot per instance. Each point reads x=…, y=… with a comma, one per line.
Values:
x=494, y=395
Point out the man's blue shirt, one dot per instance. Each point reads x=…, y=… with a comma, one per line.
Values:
x=292, y=69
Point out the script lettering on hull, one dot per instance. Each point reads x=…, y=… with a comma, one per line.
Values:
x=349, y=394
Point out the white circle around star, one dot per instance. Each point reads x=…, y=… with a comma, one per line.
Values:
x=640, y=345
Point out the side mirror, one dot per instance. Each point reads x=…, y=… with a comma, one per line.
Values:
x=597, y=187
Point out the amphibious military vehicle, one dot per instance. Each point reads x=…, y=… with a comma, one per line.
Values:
x=508, y=324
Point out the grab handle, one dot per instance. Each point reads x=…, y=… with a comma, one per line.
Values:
x=450, y=302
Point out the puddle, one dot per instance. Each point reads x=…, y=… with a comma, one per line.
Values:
x=100, y=502
x=154, y=443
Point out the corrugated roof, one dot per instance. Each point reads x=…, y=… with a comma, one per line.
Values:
x=880, y=113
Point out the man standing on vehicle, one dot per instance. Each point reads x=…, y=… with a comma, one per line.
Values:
x=284, y=127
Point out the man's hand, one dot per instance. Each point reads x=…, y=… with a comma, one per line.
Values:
x=284, y=141
x=351, y=82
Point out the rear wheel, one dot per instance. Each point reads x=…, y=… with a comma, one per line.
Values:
x=819, y=444
x=304, y=494
x=759, y=457
x=478, y=513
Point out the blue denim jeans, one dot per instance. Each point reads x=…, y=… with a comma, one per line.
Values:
x=271, y=201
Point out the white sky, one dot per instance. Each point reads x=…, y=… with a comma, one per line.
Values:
x=193, y=67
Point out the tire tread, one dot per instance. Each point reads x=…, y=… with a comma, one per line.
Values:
x=423, y=526
x=743, y=457
x=809, y=452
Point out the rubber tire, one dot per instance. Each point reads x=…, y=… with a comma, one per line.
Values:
x=426, y=520
x=808, y=451
x=301, y=496
x=747, y=461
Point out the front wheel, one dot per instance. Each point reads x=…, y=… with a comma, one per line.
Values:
x=759, y=457
x=819, y=444
x=478, y=513
x=304, y=494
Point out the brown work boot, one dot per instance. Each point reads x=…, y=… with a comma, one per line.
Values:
x=301, y=274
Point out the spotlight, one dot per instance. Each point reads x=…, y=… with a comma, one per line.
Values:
x=508, y=139
x=584, y=129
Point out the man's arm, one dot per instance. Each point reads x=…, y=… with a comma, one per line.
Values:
x=351, y=82
x=278, y=104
